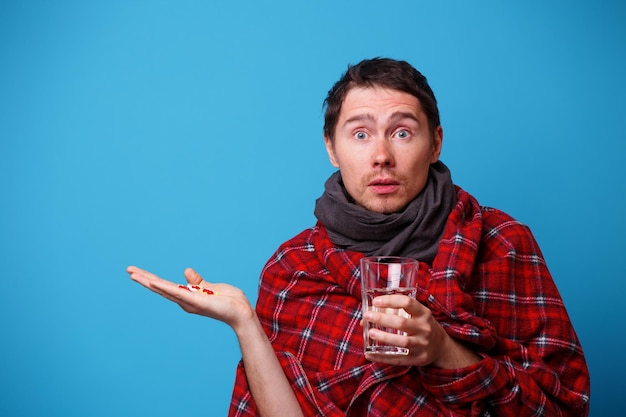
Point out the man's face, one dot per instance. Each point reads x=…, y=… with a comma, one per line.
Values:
x=383, y=147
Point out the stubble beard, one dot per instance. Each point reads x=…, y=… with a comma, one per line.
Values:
x=385, y=204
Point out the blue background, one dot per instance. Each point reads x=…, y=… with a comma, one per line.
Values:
x=188, y=133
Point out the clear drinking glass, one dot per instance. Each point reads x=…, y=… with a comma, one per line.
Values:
x=381, y=275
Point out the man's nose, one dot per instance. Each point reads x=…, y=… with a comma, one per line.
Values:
x=383, y=155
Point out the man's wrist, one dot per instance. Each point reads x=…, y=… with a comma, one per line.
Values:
x=455, y=355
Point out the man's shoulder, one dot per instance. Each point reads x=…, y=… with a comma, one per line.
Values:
x=492, y=215
x=306, y=236
x=494, y=223
x=300, y=244
x=489, y=215
x=296, y=253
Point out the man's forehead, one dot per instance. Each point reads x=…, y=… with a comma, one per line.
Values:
x=394, y=117
x=369, y=102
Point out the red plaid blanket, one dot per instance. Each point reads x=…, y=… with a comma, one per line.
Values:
x=488, y=286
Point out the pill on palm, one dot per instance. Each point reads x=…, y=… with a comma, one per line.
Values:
x=196, y=288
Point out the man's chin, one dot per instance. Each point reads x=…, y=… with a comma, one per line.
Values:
x=386, y=206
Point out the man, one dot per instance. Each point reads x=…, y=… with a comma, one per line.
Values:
x=488, y=334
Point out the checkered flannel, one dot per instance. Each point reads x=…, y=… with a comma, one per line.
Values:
x=488, y=286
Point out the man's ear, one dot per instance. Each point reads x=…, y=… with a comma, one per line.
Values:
x=331, y=151
x=437, y=144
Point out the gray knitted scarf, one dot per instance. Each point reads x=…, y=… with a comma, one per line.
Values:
x=414, y=232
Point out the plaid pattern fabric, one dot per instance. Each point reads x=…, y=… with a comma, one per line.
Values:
x=488, y=286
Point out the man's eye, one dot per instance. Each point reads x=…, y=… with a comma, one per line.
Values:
x=402, y=134
x=360, y=135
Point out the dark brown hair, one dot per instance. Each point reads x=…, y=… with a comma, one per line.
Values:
x=380, y=72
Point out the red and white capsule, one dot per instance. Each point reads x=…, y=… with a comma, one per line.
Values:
x=196, y=288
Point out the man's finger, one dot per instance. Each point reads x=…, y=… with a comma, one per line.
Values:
x=192, y=276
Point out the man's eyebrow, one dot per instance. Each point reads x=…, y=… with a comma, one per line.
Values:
x=403, y=115
x=395, y=116
x=359, y=118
